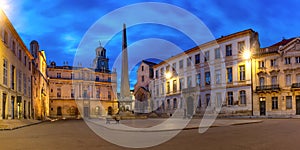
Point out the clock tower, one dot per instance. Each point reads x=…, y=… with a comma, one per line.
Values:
x=101, y=61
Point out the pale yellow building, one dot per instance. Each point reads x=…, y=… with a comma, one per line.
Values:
x=79, y=90
x=15, y=73
x=210, y=77
x=277, y=79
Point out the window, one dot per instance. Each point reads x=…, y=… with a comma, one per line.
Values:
x=142, y=68
x=181, y=83
x=168, y=87
x=197, y=58
x=298, y=78
x=242, y=73
x=174, y=86
x=143, y=78
x=287, y=60
x=25, y=60
x=288, y=80
x=198, y=79
x=274, y=102
x=174, y=103
x=109, y=95
x=261, y=81
x=58, y=94
x=162, y=71
x=12, y=77
x=288, y=102
x=72, y=76
x=25, y=84
x=230, y=98
x=188, y=61
x=174, y=66
x=29, y=66
x=207, y=97
x=273, y=62
x=58, y=75
x=72, y=93
x=219, y=99
x=168, y=104
x=274, y=80
x=14, y=47
x=189, y=81
x=162, y=88
x=229, y=50
x=261, y=64
x=5, y=71
x=297, y=59
x=207, y=78
x=19, y=81
x=156, y=73
x=206, y=56
x=20, y=55
x=243, y=97
x=229, y=75
x=167, y=68
x=241, y=46
x=217, y=53
x=180, y=64
x=5, y=38
x=218, y=76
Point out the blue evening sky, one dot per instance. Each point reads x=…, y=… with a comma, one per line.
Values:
x=60, y=25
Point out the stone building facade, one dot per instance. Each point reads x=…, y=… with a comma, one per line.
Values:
x=89, y=92
x=277, y=79
x=141, y=88
x=40, y=83
x=210, y=77
x=15, y=73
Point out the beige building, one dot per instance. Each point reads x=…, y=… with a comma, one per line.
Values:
x=40, y=84
x=79, y=90
x=15, y=73
x=277, y=79
x=213, y=76
x=141, y=88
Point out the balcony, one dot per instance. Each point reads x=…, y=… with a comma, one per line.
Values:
x=295, y=85
x=268, y=88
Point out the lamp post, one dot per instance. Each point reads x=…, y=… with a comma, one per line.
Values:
x=248, y=56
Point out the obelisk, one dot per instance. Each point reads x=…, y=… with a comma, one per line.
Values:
x=125, y=89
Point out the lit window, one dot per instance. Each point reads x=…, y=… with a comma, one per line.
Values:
x=242, y=73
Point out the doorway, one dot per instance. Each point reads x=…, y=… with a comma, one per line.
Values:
x=298, y=105
x=3, y=105
x=262, y=106
x=190, y=107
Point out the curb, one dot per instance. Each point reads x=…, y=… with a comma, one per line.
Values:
x=174, y=129
x=22, y=126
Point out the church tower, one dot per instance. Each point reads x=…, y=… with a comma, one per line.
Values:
x=34, y=48
x=101, y=61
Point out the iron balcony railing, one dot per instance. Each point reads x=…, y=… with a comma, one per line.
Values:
x=273, y=87
x=296, y=85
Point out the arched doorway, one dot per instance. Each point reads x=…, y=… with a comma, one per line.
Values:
x=109, y=110
x=190, y=107
x=59, y=113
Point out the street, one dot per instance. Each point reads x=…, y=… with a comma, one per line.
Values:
x=74, y=134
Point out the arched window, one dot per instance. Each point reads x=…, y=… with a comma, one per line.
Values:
x=243, y=97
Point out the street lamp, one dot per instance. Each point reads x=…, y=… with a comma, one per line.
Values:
x=168, y=75
x=248, y=56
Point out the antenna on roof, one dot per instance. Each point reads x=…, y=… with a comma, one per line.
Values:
x=100, y=43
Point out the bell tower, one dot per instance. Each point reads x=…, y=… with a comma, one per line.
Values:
x=101, y=61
